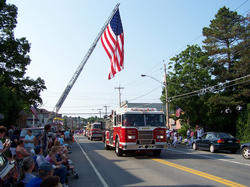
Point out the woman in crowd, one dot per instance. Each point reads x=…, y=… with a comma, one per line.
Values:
x=175, y=140
x=172, y=136
x=20, y=151
x=52, y=158
x=27, y=167
x=14, y=139
x=29, y=141
x=191, y=139
x=6, y=145
x=62, y=149
x=61, y=140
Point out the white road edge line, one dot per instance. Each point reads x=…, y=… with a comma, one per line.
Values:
x=213, y=158
x=93, y=166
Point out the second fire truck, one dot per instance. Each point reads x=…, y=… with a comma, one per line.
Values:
x=135, y=130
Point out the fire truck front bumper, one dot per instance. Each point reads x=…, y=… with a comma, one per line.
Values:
x=143, y=146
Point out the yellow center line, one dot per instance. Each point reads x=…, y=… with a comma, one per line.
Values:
x=202, y=174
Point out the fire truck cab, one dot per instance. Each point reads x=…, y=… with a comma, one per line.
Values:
x=135, y=130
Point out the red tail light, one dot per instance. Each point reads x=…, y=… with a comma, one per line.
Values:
x=220, y=141
x=237, y=141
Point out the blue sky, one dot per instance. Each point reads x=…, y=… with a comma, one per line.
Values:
x=61, y=32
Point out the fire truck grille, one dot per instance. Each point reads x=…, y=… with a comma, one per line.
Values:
x=145, y=137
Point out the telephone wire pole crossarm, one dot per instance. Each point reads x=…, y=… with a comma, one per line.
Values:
x=119, y=94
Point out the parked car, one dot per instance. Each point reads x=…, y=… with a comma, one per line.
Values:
x=245, y=150
x=35, y=131
x=214, y=141
x=8, y=172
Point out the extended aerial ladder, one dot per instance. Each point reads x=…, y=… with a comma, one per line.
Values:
x=79, y=69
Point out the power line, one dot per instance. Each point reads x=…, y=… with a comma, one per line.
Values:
x=145, y=94
x=213, y=87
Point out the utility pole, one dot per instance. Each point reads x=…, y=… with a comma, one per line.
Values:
x=166, y=90
x=106, y=110
x=119, y=94
x=100, y=112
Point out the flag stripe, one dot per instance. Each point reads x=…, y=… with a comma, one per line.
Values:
x=109, y=48
x=178, y=111
x=34, y=111
x=113, y=43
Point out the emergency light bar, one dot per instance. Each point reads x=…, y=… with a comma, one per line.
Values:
x=143, y=109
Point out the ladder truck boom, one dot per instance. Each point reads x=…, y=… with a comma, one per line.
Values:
x=79, y=69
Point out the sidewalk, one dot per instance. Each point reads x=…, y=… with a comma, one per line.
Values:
x=79, y=163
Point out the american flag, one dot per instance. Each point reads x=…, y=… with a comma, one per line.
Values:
x=34, y=111
x=178, y=111
x=113, y=43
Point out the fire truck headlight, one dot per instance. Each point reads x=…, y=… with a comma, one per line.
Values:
x=159, y=137
x=131, y=137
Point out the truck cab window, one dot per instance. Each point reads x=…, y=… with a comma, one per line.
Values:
x=118, y=119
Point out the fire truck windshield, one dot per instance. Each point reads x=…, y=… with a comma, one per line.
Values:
x=142, y=120
x=96, y=126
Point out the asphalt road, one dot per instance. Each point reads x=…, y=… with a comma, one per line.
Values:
x=174, y=167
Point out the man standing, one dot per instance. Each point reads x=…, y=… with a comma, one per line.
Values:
x=10, y=131
x=168, y=136
x=188, y=133
x=66, y=134
x=42, y=139
x=196, y=131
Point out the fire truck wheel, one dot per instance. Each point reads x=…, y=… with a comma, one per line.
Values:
x=118, y=151
x=107, y=147
x=156, y=152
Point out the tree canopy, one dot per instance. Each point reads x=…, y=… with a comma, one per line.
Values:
x=211, y=83
x=14, y=60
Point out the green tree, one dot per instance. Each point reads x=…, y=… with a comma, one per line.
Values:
x=9, y=105
x=243, y=125
x=189, y=74
x=225, y=43
x=14, y=59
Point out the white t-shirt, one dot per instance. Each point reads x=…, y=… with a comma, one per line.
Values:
x=199, y=133
x=1, y=145
x=168, y=133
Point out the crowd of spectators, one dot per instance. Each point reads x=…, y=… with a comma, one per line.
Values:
x=174, y=139
x=44, y=152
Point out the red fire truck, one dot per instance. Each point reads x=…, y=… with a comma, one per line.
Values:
x=135, y=130
x=95, y=131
